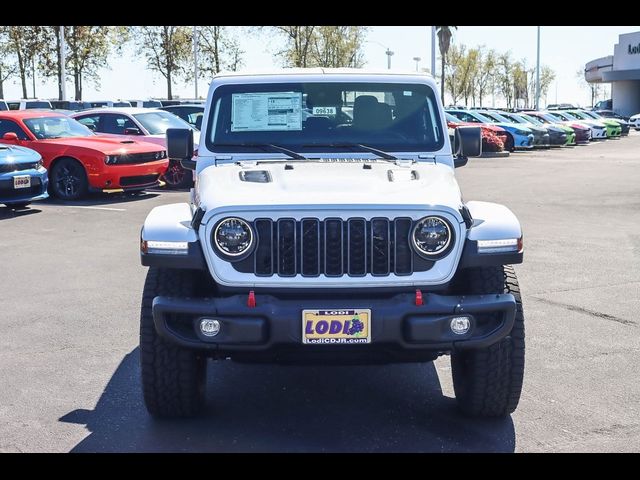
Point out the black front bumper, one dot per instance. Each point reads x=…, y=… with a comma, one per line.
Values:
x=397, y=323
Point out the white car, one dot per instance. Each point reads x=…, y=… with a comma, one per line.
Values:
x=25, y=104
x=598, y=129
x=149, y=123
x=329, y=238
x=634, y=121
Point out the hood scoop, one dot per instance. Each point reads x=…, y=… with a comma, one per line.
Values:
x=255, y=176
x=402, y=175
x=127, y=141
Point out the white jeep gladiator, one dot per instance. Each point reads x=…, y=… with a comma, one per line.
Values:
x=326, y=225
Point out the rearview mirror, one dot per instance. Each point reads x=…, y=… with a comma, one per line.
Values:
x=91, y=126
x=10, y=137
x=132, y=131
x=467, y=142
x=180, y=143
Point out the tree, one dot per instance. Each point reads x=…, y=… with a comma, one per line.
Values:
x=299, y=40
x=6, y=68
x=167, y=50
x=453, y=82
x=485, y=76
x=25, y=43
x=444, y=42
x=337, y=46
x=504, y=77
x=547, y=76
x=218, y=50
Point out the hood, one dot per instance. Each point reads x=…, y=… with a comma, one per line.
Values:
x=329, y=183
x=108, y=145
x=14, y=154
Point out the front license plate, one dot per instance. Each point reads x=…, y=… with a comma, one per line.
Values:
x=336, y=327
x=21, y=181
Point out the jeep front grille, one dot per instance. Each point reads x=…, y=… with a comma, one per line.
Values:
x=332, y=247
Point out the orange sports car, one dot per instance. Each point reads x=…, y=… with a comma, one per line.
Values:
x=80, y=161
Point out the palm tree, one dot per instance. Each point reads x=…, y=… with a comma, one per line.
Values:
x=444, y=41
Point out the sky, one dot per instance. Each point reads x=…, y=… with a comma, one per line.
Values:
x=564, y=49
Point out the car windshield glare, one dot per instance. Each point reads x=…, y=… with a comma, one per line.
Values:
x=156, y=123
x=316, y=116
x=56, y=127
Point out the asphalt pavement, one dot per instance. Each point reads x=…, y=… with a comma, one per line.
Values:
x=71, y=284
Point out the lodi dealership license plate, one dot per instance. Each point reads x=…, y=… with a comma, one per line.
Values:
x=336, y=327
x=21, y=181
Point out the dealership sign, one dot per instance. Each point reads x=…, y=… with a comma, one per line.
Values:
x=634, y=49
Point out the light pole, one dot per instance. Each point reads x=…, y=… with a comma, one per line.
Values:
x=538, y=73
x=433, y=52
x=389, y=55
x=63, y=67
x=388, y=52
x=195, y=58
x=417, y=60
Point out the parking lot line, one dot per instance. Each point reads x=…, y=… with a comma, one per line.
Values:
x=96, y=208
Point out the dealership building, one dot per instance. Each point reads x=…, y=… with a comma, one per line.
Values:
x=622, y=70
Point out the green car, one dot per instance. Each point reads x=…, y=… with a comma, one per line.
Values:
x=571, y=133
x=613, y=128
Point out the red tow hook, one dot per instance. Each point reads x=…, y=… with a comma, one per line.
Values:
x=251, y=299
x=419, y=300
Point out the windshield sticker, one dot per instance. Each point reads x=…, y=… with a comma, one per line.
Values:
x=324, y=110
x=273, y=111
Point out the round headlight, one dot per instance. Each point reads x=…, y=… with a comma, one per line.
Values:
x=233, y=237
x=431, y=236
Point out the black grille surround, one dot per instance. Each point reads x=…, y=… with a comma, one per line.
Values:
x=136, y=158
x=18, y=167
x=333, y=247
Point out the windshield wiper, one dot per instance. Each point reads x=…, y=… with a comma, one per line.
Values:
x=265, y=147
x=381, y=153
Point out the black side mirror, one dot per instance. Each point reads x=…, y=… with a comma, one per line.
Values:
x=180, y=146
x=467, y=143
x=132, y=131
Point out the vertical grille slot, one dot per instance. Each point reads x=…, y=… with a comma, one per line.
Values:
x=380, y=247
x=264, y=250
x=310, y=256
x=333, y=247
x=357, y=241
x=403, y=253
x=286, y=240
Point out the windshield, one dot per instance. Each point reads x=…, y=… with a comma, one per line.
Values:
x=156, y=123
x=498, y=118
x=310, y=116
x=592, y=115
x=56, y=127
x=531, y=119
x=37, y=105
x=560, y=116
x=514, y=118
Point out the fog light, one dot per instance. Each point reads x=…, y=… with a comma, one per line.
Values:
x=460, y=325
x=209, y=327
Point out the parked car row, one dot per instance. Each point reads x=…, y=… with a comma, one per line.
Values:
x=79, y=105
x=540, y=129
x=104, y=149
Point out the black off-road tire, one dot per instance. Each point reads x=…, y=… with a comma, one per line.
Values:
x=173, y=378
x=488, y=381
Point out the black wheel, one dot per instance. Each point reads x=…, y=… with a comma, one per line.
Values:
x=177, y=176
x=18, y=205
x=68, y=180
x=488, y=381
x=509, y=145
x=173, y=378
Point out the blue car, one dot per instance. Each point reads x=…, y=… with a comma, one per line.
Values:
x=23, y=179
x=518, y=136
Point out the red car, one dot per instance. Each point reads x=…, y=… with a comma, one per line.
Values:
x=78, y=160
x=493, y=136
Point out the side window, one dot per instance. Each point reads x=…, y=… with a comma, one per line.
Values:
x=7, y=126
x=114, y=123
x=91, y=121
